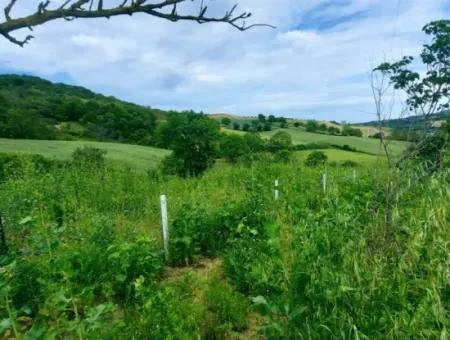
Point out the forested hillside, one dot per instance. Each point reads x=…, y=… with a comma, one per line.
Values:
x=31, y=107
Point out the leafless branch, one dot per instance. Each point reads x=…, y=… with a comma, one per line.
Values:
x=90, y=9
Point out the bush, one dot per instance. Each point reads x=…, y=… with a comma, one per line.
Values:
x=283, y=156
x=280, y=141
x=349, y=164
x=316, y=158
x=89, y=155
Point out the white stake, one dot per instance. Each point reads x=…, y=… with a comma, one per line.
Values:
x=324, y=182
x=354, y=175
x=277, y=194
x=409, y=182
x=165, y=228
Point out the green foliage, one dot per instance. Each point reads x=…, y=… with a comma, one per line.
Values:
x=229, y=309
x=232, y=147
x=316, y=158
x=226, y=121
x=84, y=253
x=193, y=139
x=281, y=140
x=18, y=123
x=89, y=156
x=311, y=126
x=347, y=130
x=34, y=106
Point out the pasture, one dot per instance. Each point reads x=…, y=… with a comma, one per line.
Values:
x=137, y=157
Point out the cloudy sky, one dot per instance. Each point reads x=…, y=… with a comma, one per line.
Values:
x=316, y=64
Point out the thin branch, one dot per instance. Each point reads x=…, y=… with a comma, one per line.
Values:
x=86, y=9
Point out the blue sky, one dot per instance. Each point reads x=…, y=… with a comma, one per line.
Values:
x=316, y=64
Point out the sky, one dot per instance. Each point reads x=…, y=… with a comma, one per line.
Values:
x=315, y=64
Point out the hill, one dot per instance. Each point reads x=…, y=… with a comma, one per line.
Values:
x=31, y=107
x=411, y=123
x=137, y=157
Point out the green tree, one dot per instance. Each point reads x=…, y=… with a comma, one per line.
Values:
x=226, y=121
x=254, y=142
x=233, y=146
x=236, y=126
x=280, y=141
x=316, y=158
x=246, y=127
x=193, y=138
x=311, y=126
x=426, y=94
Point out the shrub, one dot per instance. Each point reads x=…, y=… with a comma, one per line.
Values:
x=316, y=158
x=280, y=141
x=349, y=164
x=283, y=156
x=89, y=155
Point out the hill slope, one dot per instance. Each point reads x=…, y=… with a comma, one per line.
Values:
x=135, y=156
x=31, y=107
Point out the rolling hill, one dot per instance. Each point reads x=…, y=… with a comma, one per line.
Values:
x=138, y=157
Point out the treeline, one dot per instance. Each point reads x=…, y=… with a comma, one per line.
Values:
x=196, y=142
x=34, y=108
x=262, y=123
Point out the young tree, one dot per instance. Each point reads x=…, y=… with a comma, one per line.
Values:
x=236, y=126
x=48, y=10
x=426, y=93
x=193, y=139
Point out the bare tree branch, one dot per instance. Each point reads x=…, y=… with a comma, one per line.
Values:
x=90, y=9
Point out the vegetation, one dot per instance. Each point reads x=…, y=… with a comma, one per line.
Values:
x=84, y=253
x=140, y=158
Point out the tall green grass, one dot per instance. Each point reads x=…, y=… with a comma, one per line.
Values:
x=85, y=254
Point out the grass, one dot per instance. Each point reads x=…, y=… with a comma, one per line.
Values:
x=135, y=156
x=300, y=136
x=84, y=257
x=335, y=155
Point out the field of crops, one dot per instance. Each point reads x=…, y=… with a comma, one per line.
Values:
x=134, y=156
x=85, y=254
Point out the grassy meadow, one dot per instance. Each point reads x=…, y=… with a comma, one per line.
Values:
x=300, y=136
x=134, y=156
x=85, y=254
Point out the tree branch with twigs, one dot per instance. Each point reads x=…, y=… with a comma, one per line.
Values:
x=91, y=9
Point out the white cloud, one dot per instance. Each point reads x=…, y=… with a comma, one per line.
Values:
x=316, y=62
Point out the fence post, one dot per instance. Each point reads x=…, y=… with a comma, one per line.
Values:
x=277, y=193
x=165, y=229
x=324, y=182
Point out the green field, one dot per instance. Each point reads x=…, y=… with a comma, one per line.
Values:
x=335, y=155
x=135, y=156
x=300, y=136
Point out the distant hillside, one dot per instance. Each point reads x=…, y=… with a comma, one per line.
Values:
x=137, y=157
x=31, y=107
x=412, y=123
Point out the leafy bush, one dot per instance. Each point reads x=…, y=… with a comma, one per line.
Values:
x=316, y=158
x=349, y=164
x=280, y=141
x=89, y=155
